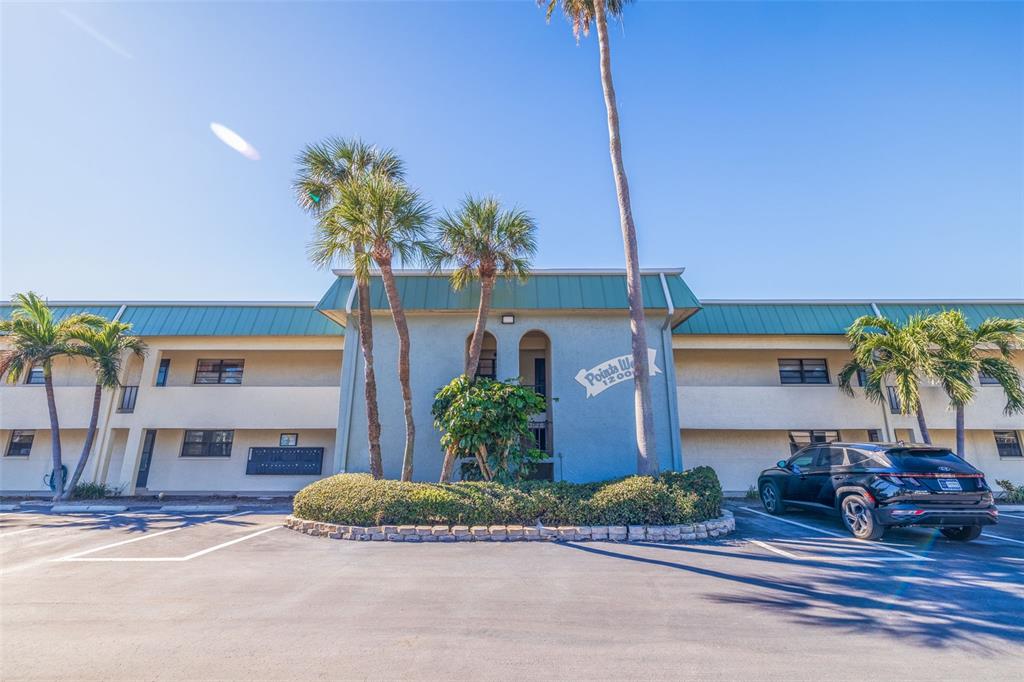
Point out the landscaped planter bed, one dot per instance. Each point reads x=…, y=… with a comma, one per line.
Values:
x=515, y=533
x=672, y=507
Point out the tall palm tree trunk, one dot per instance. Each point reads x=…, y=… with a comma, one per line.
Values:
x=923, y=425
x=646, y=450
x=402, y=327
x=90, y=436
x=369, y=378
x=477, y=344
x=51, y=404
x=960, y=435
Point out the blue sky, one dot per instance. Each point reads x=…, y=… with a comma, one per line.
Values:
x=792, y=150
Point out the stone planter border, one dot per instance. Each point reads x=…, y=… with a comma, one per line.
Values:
x=723, y=525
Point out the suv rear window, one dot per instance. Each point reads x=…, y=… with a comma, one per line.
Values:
x=922, y=453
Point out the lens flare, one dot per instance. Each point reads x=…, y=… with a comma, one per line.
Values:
x=235, y=141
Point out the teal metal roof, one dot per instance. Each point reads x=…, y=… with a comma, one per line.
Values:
x=62, y=311
x=773, y=318
x=724, y=317
x=542, y=291
x=976, y=313
x=228, y=320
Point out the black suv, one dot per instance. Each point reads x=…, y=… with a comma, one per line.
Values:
x=875, y=485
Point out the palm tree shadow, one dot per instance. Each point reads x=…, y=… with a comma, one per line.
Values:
x=935, y=604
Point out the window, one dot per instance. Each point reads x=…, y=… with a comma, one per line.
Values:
x=1007, y=443
x=894, y=400
x=804, y=459
x=874, y=435
x=288, y=440
x=987, y=379
x=21, y=443
x=219, y=371
x=798, y=439
x=128, y=396
x=832, y=457
x=862, y=377
x=803, y=371
x=161, y=374
x=207, y=444
x=35, y=375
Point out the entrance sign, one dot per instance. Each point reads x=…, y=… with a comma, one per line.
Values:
x=611, y=372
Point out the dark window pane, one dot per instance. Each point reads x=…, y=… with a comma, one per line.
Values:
x=219, y=371
x=1007, y=443
x=207, y=444
x=161, y=375
x=987, y=379
x=799, y=371
x=21, y=443
x=35, y=376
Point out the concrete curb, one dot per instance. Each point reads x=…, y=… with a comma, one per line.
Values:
x=8, y=507
x=197, y=508
x=73, y=508
x=723, y=525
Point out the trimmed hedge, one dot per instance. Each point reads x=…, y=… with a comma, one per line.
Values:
x=359, y=500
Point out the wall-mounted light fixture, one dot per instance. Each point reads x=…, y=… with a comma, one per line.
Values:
x=508, y=318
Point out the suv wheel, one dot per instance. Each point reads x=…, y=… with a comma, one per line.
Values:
x=961, y=533
x=771, y=499
x=860, y=519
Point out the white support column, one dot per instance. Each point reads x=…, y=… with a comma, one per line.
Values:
x=133, y=449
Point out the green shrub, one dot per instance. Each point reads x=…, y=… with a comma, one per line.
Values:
x=358, y=499
x=1013, y=494
x=93, y=491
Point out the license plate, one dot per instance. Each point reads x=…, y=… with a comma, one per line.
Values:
x=950, y=484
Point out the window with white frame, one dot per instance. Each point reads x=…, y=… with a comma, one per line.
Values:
x=1008, y=443
x=803, y=371
x=207, y=443
x=20, y=444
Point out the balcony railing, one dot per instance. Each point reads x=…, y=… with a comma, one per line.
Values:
x=128, y=396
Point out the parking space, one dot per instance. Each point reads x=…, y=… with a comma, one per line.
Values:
x=153, y=596
x=30, y=540
x=814, y=537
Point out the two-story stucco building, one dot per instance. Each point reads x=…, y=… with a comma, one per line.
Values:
x=266, y=397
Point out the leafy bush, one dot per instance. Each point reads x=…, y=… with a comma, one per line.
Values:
x=1013, y=494
x=751, y=493
x=358, y=499
x=93, y=491
x=489, y=421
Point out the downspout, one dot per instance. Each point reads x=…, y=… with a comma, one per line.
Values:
x=673, y=408
x=889, y=435
x=352, y=381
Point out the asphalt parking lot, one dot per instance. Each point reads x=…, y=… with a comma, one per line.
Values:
x=156, y=596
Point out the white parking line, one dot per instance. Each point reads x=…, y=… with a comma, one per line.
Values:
x=174, y=558
x=1012, y=516
x=19, y=532
x=873, y=545
x=1000, y=537
x=147, y=536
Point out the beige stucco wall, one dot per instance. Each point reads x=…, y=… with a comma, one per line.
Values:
x=738, y=456
x=25, y=474
x=262, y=367
x=716, y=367
x=169, y=472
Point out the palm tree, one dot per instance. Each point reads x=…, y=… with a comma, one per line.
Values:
x=963, y=353
x=480, y=242
x=580, y=14
x=889, y=352
x=104, y=347
x=326, y=172
x=35, y=338
x=390, y=219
